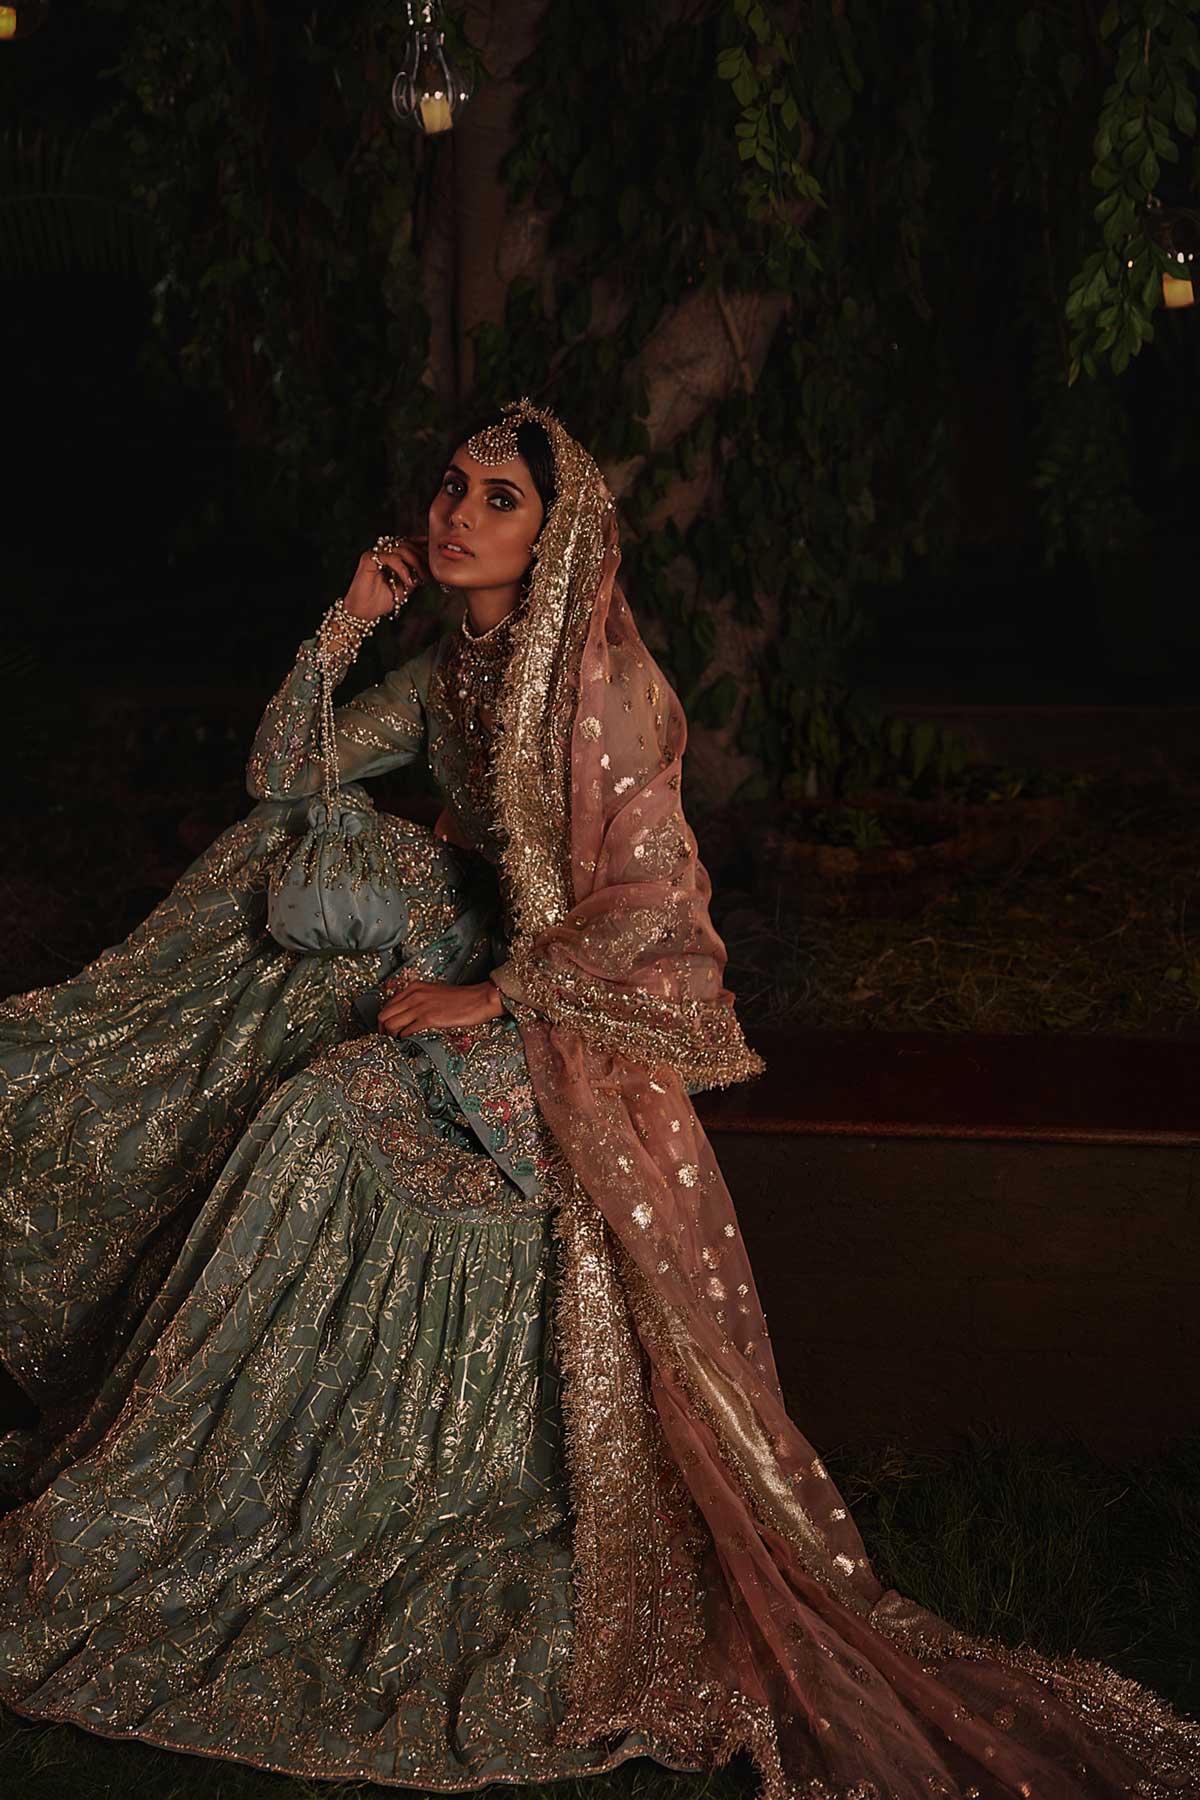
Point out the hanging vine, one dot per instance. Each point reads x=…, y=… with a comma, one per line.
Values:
x=1148, y=106
x=775, y=184
x=813, y=489
x=279, y=187
x=774, y=138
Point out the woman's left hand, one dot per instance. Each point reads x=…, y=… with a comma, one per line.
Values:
x=432, y=1005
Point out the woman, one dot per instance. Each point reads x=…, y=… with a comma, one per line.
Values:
x=409, y=1411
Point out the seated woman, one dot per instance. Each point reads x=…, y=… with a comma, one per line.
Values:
x=408, y=1412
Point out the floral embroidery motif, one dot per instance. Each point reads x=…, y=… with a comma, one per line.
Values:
x=484, y=1066
x=389, y=1090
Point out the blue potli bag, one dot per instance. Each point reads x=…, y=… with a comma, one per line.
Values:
x=360, y=880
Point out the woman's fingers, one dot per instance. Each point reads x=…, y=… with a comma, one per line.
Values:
x=398, y=1009
x=403, y=1009
x=408, y=559
x=436, y=1005
x=397, y=1027
x=408, y=576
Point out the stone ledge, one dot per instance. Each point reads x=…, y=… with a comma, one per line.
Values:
x=1055, y=1089
x=915, y=1290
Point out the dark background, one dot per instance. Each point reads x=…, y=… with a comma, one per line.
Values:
x=137, y=544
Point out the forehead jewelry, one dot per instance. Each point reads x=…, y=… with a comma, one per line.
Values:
x=497, y=443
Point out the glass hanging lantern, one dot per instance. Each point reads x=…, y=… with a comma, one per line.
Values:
x=1176, y=229
x=429, y=92
x=1179, y=287
x=1178, y=290
x=20, y=21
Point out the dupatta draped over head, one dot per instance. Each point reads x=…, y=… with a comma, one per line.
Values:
x=724, y=1598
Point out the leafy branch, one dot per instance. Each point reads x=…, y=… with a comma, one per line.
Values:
x=1148, y=105
x=774, y=140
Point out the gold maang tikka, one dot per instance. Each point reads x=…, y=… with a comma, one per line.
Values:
x=497, y=443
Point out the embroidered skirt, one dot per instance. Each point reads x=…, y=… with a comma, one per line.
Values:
x=298, y=1497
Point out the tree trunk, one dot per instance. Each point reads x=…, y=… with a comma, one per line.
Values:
x=464, y=282
x=475, y=242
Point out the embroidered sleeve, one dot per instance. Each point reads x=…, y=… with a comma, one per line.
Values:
x=381, y=728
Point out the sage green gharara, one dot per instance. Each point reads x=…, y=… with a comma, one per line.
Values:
x=284, y=1287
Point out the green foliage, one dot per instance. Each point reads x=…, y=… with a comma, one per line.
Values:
x=829, y=473
x=850, y=748
x=63, y=210
x=857, y=164
x=1148, y=105
x=854, y=826
x=280, y=193
x=774, y=138
x=854, y=447
x=1035, y=81
x=1084, y=469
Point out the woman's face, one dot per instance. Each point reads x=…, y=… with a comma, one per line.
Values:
x=483, y=523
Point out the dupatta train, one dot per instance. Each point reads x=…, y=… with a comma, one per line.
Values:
x=724, y=1597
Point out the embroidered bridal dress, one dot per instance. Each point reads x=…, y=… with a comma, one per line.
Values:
x=407, y=1409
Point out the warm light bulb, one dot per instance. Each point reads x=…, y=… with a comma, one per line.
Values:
x=8, y=21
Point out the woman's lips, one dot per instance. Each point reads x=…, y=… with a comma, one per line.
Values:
x=449, y=548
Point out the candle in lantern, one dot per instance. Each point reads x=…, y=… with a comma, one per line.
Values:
x=23, y=20
x=1178, y=289
x=428, y=93
x=1175, y=230
x=435, y=113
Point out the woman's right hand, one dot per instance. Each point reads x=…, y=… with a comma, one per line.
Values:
x=369, y=595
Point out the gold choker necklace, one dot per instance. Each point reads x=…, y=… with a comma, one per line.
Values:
x=494, y=631
x=471, y=675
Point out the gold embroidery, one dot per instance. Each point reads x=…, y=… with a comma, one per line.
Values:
x=639, y=1542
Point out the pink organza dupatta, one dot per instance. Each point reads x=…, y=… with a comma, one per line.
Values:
x=837, y=1688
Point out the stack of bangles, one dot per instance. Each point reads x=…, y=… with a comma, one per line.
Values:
x=346, y=627
x=347, y=630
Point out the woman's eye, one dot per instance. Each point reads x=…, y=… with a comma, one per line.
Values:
x=504, y=502
x=452, y=485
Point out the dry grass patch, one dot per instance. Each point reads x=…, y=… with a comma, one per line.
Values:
x=1099, y=931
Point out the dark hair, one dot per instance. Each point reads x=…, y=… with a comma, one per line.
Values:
x=533, y=445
